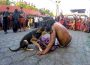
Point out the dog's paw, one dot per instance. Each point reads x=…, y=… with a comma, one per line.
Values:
x=29, y=49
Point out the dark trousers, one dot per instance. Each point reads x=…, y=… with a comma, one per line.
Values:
x=15, y=26
x=36, y=24
x=5, y=24
x=89, y=29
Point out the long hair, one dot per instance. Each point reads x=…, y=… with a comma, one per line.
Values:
x=48, y=24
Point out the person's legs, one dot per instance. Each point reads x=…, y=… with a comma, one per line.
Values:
x=5, y=24
x=35, y=25
x=19, y=25
x=89, y=29
x=15, y=26
x=44, y=40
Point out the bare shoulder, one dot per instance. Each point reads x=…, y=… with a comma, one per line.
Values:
x=55, y=24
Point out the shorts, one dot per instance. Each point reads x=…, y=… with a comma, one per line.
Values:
x=44, y=41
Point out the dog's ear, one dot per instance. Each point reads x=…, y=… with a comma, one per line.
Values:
x=40, y=30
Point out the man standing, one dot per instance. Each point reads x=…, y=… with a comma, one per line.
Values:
x=22, y=17
x=36, y=21
x=5, y=20
x=15, y=20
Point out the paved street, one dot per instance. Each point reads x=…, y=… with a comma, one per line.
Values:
x=78, y=53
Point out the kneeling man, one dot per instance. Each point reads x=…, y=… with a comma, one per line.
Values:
x=58, y=31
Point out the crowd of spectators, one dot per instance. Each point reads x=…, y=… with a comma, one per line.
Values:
x=17, y=21
x=75, y=23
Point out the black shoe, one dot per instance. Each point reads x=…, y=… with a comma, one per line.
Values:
x=6, y=32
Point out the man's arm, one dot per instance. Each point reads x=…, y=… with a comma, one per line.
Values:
x=52, y=40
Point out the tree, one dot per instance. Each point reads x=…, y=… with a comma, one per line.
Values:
x=24, y=5
x=2, y=2
x=45, y=11
x=33, y=7
x=7, y=2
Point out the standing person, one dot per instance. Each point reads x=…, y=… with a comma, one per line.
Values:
x=75, y=25
x=5, y=20
x=21, y=11
x=10, y=21
x=56, y=31
x=88, y=24
x=1, y=21
x=36, y=22
x=40, y=21
x=30, y=22
x=22, y=19
x=15, y=20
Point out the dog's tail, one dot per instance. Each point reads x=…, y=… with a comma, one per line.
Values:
x=15, y=49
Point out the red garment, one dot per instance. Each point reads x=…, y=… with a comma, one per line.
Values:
x=78, y=24
x=83, y=27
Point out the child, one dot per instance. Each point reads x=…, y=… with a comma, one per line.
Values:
x=44, y=41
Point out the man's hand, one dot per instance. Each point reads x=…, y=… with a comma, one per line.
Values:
x=40, y=53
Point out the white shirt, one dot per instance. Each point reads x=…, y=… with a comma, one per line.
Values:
x=36, y=19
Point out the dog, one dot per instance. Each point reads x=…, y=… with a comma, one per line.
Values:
x=30, y=38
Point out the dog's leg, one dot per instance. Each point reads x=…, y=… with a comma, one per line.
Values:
x=26, y=41
x=35, y=42
x=26, y=47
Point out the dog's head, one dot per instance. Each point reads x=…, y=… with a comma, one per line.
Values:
x=40, y=30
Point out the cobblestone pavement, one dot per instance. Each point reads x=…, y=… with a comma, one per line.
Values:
x=78, y=53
